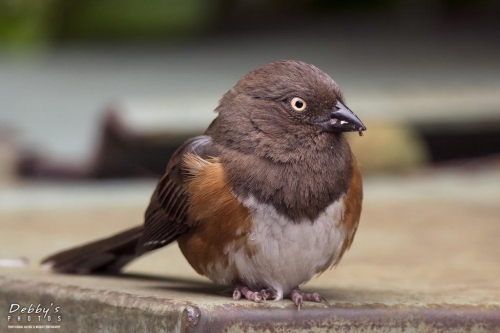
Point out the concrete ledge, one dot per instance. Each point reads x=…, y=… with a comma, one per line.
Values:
x=92, y=310
x=87, y=309
x=425, y=259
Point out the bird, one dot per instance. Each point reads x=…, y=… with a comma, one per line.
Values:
x=268, y=197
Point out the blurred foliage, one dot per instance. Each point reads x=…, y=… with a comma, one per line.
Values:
x=38, y=22
x=132, y=19
x=25, y=21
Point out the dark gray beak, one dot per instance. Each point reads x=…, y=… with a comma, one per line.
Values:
x=342, y=120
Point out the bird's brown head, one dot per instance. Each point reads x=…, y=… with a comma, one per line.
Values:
x=287, y=102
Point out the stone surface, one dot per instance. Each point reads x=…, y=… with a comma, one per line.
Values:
x=425, y=258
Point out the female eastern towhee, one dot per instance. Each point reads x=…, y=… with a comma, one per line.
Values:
x=268, y=197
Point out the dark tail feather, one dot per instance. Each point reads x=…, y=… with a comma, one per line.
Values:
x=107, y=255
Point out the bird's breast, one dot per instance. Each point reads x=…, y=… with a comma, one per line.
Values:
x=288, y=253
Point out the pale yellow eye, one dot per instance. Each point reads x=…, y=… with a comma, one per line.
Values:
x=298, y=104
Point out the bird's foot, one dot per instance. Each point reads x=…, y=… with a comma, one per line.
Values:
x=298, y=297
x=255, y=296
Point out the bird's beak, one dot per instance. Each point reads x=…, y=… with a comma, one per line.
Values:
x=342, y=120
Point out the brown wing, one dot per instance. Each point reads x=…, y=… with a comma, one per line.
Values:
x=166, y=216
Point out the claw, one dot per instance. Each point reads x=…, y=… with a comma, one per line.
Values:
x=264, y=294
x=298, y=302
x=298, y=297
x=236, y=294
x=268, y=294
x=324, y=300
x=255, y=296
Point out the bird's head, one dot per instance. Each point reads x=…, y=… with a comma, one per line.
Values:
x=282, y=104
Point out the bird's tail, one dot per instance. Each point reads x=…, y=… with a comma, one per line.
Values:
x=107, y=255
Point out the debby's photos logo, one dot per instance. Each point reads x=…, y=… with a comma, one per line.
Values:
x=34, y=316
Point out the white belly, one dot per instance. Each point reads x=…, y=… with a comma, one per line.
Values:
x=288, y=254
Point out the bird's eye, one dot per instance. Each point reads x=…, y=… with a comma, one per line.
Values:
x=298, y=104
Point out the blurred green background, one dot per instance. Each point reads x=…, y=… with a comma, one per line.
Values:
x=49, y=22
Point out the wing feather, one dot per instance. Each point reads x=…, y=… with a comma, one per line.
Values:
x=166, y=216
